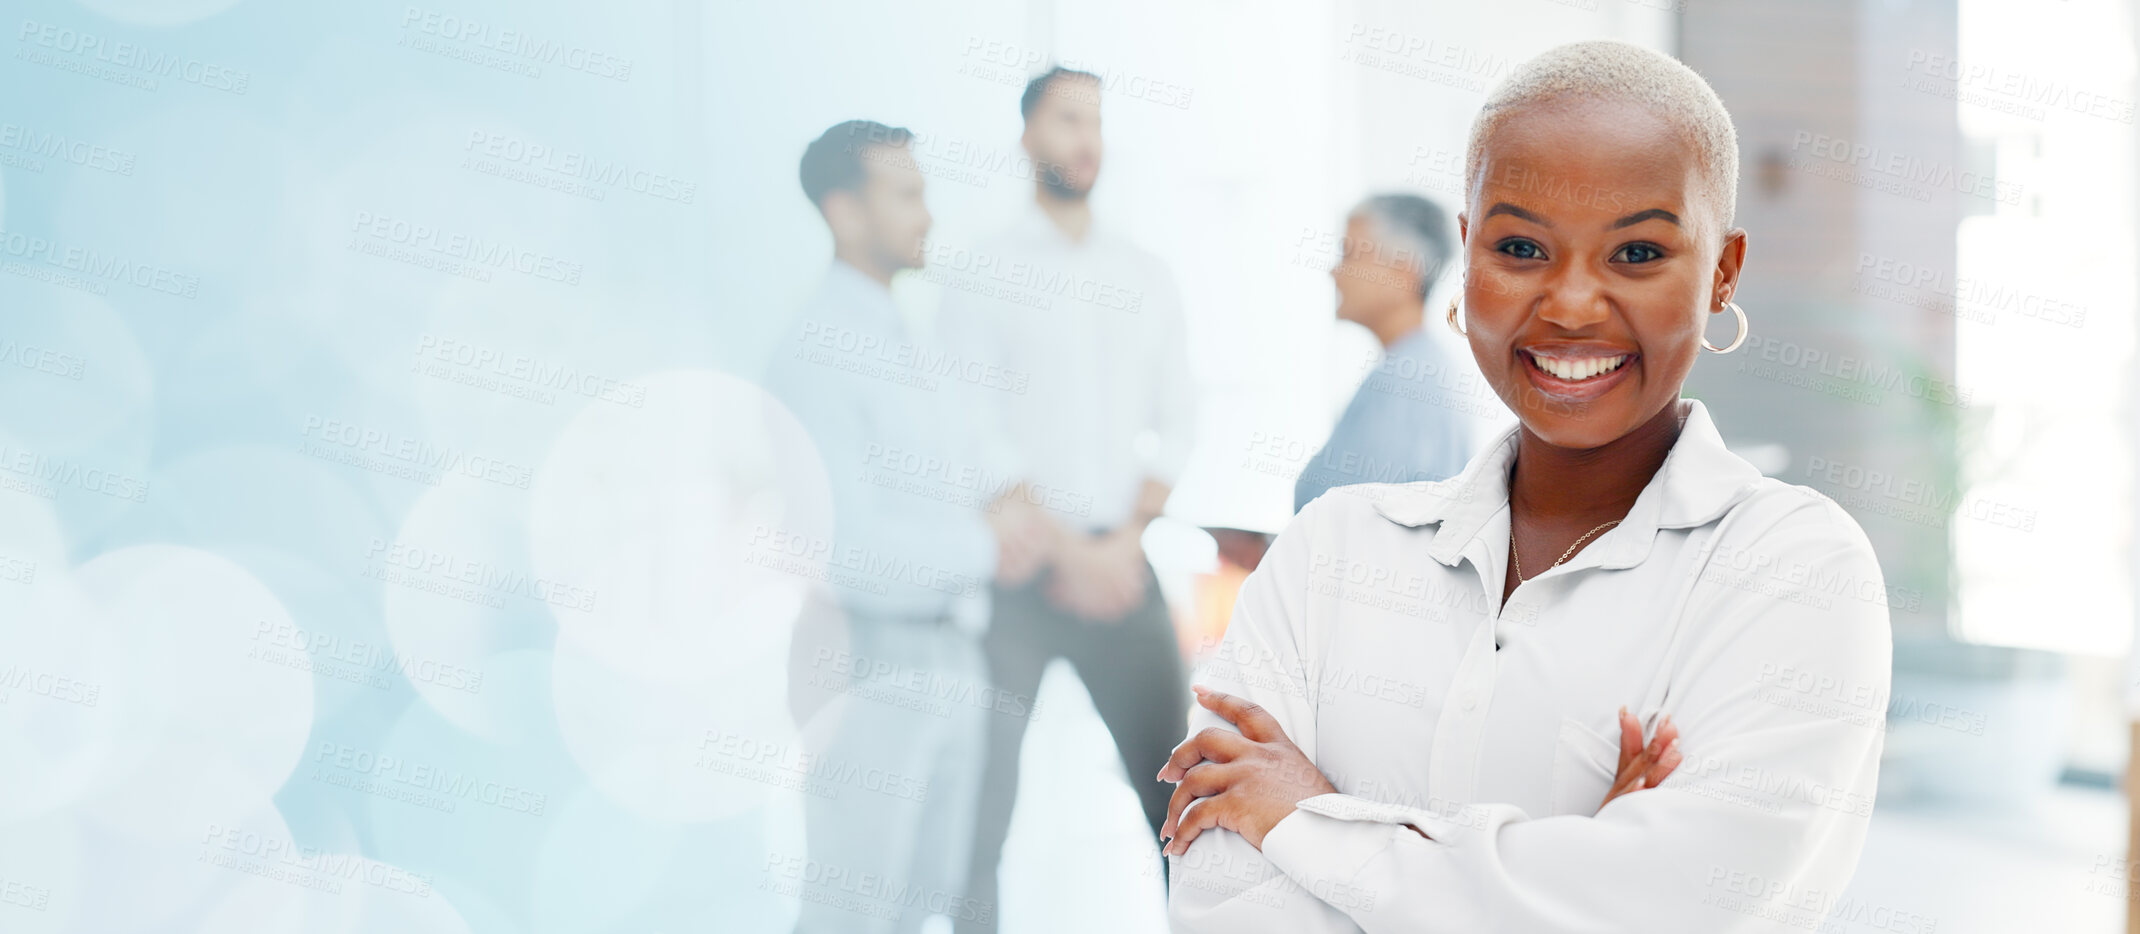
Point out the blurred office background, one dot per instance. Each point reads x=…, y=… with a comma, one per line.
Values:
x=278, y=527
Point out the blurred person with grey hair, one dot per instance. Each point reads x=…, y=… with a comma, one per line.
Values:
x=1420, y=734
x=1102, y=433
x=1404, y=422
x=887, y=678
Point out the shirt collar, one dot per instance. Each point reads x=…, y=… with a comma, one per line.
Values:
x=1033, y=223
x=851, y=291
x=1700, y=480
x=844, y=275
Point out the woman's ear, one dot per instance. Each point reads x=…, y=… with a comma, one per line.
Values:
x=1729, y=261
x=1463, y=228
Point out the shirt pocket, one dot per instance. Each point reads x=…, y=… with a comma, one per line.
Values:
x=1584, y=764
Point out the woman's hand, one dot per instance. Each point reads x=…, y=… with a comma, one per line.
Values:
x=1245, y=782
x=1643, y=766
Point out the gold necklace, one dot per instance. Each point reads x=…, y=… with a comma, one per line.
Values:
x=1518, y=555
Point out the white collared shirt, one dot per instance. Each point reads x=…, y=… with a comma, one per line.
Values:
x=1750, y=610
x=1094, y=329
x=911, y=539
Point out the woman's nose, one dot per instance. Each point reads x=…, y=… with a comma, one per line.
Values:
x=1574, y=301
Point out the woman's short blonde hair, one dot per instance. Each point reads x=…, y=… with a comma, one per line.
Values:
x=1608, y=71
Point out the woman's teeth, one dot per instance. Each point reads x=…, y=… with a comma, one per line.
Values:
x=1579, y=368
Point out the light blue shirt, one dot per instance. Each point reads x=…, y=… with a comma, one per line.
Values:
x=894, y=423
x=1404, y=424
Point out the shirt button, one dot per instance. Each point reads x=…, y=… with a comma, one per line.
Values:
x=1470, y=699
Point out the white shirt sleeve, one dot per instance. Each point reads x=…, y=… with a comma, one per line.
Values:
x=1765, y=818
x=1222, y=884
x=879, y=523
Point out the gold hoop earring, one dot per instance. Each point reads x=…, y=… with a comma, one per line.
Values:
x=1736, y=341
x=1458, y=328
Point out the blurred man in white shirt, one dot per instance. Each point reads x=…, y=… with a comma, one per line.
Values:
x=899, y=692
x=1102, y=434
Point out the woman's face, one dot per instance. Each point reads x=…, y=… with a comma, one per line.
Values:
x=1592, y=258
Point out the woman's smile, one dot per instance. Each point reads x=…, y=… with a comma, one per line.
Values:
x=1573, y=372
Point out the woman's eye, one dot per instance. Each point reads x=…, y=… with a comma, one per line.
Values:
x=1522, y=249
x=1639, y=253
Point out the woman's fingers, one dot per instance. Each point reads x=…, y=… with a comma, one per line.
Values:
x=1200, y=818
x=1213, y=743
x=1666, y=762
x=1255, y=722
x=1628, y=779
x=1644, y=765
x=1630, y=740
x=1664, y=743
x=1201, y=781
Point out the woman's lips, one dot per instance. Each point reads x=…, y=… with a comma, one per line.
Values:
x=1581, y=376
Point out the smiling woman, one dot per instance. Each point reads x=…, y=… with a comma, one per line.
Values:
x=1670, y=586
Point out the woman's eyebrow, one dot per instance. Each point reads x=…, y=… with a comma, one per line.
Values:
x=1640, y=216
x=1504, y=207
